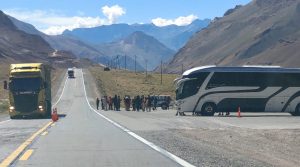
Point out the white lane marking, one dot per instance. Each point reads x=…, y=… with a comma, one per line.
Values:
x=62, y=92
x=2, y=122
x=153, y=146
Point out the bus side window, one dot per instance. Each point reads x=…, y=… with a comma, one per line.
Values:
x=218, y=80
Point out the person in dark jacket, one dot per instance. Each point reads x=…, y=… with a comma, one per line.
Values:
x=97, y=103
x=115, y=102
x=133, y=103
x=119, y=103
x=138, y=103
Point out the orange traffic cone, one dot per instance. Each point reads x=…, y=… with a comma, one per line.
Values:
x=239, y=112
x=54, y=115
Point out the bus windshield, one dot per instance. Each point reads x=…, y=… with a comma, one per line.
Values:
x=190, y=87
x=25, y=84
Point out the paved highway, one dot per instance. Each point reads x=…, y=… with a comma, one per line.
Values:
x=84, y=138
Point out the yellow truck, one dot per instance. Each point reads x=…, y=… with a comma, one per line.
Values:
x=29, y=90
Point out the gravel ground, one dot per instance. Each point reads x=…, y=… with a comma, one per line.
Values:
x=230, y=147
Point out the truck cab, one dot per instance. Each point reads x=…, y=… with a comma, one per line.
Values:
x=71, y=73
x=29, y=90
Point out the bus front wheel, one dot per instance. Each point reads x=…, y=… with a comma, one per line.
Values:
x=208, y=109
x=297, y=111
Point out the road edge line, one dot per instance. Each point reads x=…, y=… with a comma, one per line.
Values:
x=141, y=139
x=14, y=155
x=62, y=92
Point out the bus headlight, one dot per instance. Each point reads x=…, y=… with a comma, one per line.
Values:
x=41, y=108
x=11, y=108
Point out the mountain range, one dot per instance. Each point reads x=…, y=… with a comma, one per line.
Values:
x=172, y=36
x=106, y=44
x=263, y=32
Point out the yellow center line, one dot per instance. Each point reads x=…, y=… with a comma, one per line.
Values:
x=26, y=155
x=14, y=155
x=53, y=124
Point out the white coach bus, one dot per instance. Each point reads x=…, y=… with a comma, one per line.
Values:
x=209, y=89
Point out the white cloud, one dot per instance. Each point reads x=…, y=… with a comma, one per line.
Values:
x=54, y=22
x=113, y=12
x=71, y=23
x=180, y=21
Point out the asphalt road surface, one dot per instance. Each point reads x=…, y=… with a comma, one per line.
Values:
x=84, y=138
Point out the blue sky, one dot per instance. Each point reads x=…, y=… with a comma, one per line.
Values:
x=53, y=16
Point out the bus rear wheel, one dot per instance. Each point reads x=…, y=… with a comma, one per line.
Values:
x=297, y=111
x=208, y=109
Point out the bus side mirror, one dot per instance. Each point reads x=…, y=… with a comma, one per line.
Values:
x=5, y=85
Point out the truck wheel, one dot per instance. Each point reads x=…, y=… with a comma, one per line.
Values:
x=164, y=106
x=208, y=109
x=13, y=117
x=297, y=111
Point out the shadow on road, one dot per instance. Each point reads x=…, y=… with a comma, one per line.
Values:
x=37, y=117
x=243, y=115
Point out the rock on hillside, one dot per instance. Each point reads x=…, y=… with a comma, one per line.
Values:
x=264, y=32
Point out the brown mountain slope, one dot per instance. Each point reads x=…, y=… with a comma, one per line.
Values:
x=60, y=42
x=264, y=32
x=20, y=46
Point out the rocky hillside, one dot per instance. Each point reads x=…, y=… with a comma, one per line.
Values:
x=146, y=48
x=59, y=42
x=264, y=32
x=18, y=45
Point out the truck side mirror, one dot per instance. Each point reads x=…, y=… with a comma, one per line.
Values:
x=5, y=85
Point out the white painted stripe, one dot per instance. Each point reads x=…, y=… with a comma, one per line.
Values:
x=153, y=146
x=62, y=92
x=2, y=122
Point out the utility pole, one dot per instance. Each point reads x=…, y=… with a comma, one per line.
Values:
x=135, y=63
x=181, y=68
x=146, y=67
x=161, y=71
x=125, y=63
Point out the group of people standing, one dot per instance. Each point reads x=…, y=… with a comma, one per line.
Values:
x=138, y=103
x=141, y=103
x=109, y=103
